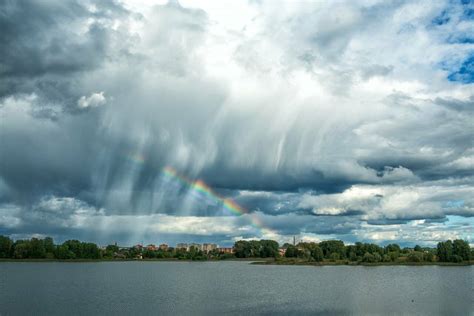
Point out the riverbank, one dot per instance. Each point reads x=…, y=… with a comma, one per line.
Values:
x=250, y=260
x=257, y=261
x=353, y=263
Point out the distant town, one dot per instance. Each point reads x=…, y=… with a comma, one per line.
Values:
x=153, y=251
x=324, y=252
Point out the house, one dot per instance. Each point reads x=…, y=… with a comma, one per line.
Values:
x=118, y=255
x=282, y=251
x=138, y=247
x=182, y=246
x=151, y=247
x=208, y=247
x=196, y=246
x=163, y=247
x=226, y=250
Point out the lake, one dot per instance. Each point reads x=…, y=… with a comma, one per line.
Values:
x=184, y=288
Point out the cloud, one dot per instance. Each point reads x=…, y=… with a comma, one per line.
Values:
x=94, y=100
x=343, y=113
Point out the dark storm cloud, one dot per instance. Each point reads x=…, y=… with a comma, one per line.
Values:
x=46, y=45
x=292, y=115
x=40, y=37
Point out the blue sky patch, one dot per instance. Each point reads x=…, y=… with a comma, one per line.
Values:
x=465, y=73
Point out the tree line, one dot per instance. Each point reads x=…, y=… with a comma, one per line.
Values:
x=330, y=250
x=335, y=250
x=36, y=248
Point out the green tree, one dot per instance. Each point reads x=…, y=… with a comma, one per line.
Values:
x=334, y=256
x=49, y=247
x=269, y=248
x=445, y=251
x=21, y=249
x=394, y=255
x=428, y=256
x=75, y=246
x=90, y=251
x=392, y=248
x=351, y=252
x=377, y=257
x=461, y=248
x=415, y=256
x=63, y=252
x=333, y=246
x=368, y=257
x=112, y=248
x=36, y=249
x=242, y=249
x=317, y=254
x=292, y=252
x=6, y=246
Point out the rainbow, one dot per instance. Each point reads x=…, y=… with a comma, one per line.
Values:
x=201, y=187
x=200, y=190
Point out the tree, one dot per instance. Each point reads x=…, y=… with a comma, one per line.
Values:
x=268, y=248
x=333, y=246
x=63, y=252
x=445, y=251
x=242, y=249
x=351, y=252
x=394, y=255
x=317, y=254
x=291, y=252
x=75, y=246
x=428, y=256
x=461, y=248
x=6, y=245
x=334, y=256
x=368, y=257
x=90, y=251
x=415, y=256
x=36, y=249
x=392, y=248
x=49, y=247
x=112, y=248
x=417, y=248
x=377, y=257
x=21, y=249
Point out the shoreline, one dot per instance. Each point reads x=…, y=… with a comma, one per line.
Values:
x=255, y=261
x=366, y=264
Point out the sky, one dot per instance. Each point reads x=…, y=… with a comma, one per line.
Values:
x=216, y=121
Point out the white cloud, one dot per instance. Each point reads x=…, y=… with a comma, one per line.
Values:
x=379, y=202
x=94, y=100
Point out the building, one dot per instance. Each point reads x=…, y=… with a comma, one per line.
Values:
x=196, y=246
x=182, y=246
x=163, y=247
x=226, y=250
x=138, y=247
x=282, y=251
x=208, y=247
x=151, y=247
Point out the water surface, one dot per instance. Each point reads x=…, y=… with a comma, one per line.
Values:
x=170, y=288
